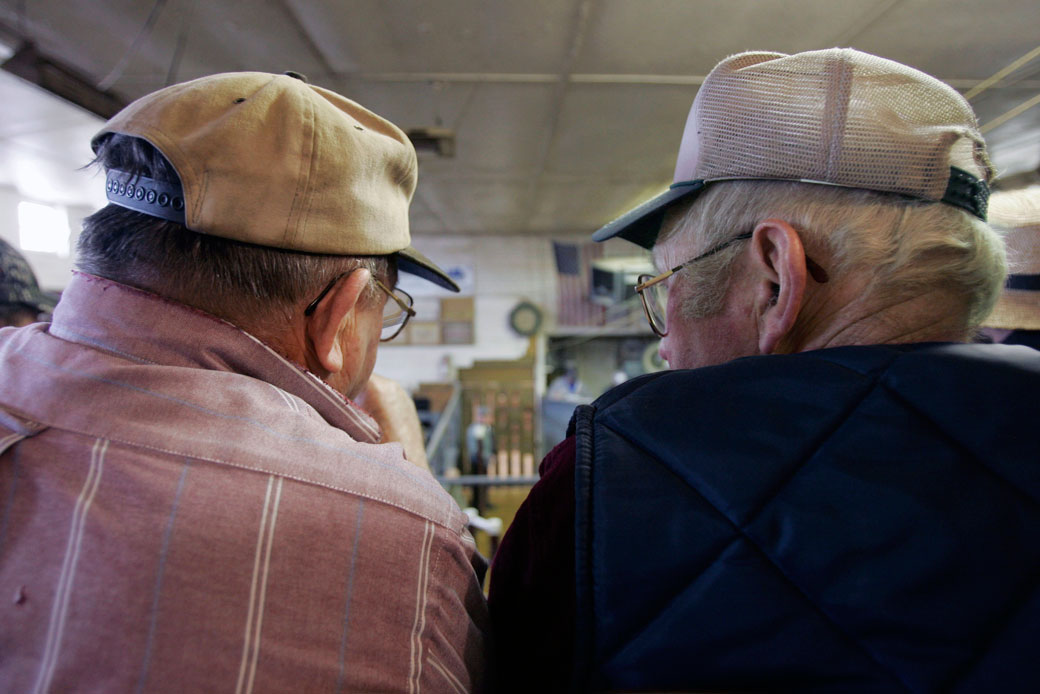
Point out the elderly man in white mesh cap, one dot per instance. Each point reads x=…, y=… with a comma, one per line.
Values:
x=833, y=489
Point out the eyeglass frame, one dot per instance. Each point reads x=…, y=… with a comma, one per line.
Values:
x=817, y=273
x=406, y=308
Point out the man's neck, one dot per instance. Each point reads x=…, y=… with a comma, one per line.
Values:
x=930, y=317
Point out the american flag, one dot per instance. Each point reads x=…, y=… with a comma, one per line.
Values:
x=573, y=270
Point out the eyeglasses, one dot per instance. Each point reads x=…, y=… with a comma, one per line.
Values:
x=396, y=313
x=654, y=292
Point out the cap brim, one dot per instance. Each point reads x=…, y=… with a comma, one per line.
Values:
x=415, y=263
x=642, y=224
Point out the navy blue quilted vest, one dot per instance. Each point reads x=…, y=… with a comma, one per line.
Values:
x=851, y=519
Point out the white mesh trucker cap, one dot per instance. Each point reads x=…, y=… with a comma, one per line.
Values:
x=835, y=117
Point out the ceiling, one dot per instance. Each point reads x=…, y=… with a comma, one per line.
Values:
x=567, y=112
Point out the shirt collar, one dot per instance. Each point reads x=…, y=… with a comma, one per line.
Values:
x=148, y=328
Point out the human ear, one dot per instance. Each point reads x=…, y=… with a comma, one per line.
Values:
x=334, y=313
x=780, y=279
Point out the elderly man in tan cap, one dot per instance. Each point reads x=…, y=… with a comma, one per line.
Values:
x=191, y=498
x=1016, y=318
x=833, y=490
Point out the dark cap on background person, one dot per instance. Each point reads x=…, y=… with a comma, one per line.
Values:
x=21, y=299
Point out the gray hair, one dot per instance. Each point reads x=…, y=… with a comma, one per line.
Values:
x=246, y=284
x=906, y=246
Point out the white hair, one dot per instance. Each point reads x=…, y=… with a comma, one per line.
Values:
x=905, y=247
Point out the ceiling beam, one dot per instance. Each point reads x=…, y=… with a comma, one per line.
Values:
x=561, y=233
x=301, y=30
x=581, y=24
x=595, y=78
x=864, y=22
x=63, y=81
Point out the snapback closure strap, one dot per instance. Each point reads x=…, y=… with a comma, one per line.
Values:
x=142, y=194
x=967, y=192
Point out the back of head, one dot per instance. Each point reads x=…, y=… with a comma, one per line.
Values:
x=880, y=167
x=242, y=193
x=245, y=283
x=894, y=247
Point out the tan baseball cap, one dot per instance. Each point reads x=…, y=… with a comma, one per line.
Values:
x=1016, y=214
x=271, y=160
x=836, y=117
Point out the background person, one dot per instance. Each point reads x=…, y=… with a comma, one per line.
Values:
x=189, y=498
x=832, y=491
x=1016, y=318
x=21, y=300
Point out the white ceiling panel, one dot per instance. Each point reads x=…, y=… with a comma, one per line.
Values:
x=620, y=131
x=477, y=206
x=495, y=124
x=570, y=208
x=44, y=144
x=442, y=36
x=954, y=39
x=566, y=112
x=109, y=41
x=26, y=109
x=684, y=37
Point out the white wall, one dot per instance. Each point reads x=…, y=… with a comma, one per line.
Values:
x=52, y=271
x=506, y=270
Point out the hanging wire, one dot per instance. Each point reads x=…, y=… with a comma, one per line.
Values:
x=1001, y=74
x=182, y=41
x=111, y=78
x=23, y=27
x=1000, y=120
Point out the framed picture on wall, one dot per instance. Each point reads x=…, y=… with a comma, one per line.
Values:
x=457, y=332
x=457, y=309
x=427, y=308
x=424, y=333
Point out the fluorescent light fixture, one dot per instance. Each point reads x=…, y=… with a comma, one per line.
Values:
x=440, y=141
x=9, y=42
x=43, y=228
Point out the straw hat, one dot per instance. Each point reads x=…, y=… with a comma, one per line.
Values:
x=1016, y=214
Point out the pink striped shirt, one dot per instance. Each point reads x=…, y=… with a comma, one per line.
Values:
x=182, y=510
